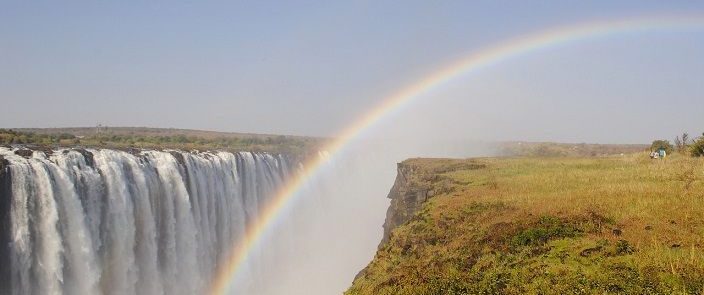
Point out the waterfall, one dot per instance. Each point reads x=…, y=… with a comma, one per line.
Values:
x=100, y=221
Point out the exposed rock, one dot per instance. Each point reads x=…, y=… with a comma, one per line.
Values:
x=617, y=231
x=648, y=227
x=88, y=156
x=589, y=251
x=5, y=201
x=3, y=163
x=133, y=151
x=179, y=157
x=27, y=153
x=406, y=200
x=417, y=180
x=47, y=150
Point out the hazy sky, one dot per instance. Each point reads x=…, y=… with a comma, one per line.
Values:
x=312, y=67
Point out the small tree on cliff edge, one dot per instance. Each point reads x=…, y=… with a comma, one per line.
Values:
x=697, y=148
x=662, y=144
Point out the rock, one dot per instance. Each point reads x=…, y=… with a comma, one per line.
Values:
x=3, y=163
x=675, y=245
x=648, y=227
x=47, y=150
x=27, y=153
x=5, y=225
x=179, y=157
x=406, y=200
x=88, y=156
x=617, y=231
x=589, y=251
x=133, y=151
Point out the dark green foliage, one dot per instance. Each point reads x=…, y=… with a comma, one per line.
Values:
x=623, y=247
x=547, y=228
x=697, y=148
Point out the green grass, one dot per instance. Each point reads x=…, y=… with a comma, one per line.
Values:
x=617, y=225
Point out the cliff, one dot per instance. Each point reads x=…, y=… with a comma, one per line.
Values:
x=618, y=225
x=5, y=203
x=417, y=180
x=406, y=198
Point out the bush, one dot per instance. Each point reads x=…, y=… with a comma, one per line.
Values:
x=697, y=148
x=548, y=228
x=664, y=144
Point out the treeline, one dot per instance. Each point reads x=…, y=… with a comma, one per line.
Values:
x=279, y=144
x=683, y=144
x=9, y=136
x=550, y=149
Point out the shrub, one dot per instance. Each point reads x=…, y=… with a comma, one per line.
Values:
x=548, y=228
x=664, y=144
x=697, y=148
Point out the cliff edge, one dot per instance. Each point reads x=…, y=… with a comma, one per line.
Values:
x=406, y=198
x=613, y=225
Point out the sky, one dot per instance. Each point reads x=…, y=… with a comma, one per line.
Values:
x=311, y=68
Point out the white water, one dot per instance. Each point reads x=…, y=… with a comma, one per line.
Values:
x=111, y=222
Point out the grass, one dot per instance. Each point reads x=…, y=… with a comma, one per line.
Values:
x=613, y=225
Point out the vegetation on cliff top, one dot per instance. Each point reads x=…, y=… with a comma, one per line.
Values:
x=153, y=138
x=619, y=225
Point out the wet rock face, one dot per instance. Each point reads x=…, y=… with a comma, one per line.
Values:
x=27, y=153
x=5, y=201
x=88, y=157
x=179, y=157
x=406, y=200
x=3, y=163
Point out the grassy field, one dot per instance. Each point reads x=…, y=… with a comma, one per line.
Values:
x=618, y=225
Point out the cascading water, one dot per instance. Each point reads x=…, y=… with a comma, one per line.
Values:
x=112, y=222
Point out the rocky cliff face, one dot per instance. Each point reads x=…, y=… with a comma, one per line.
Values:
x=407, y=196
x=417, y=180
x=5, y=200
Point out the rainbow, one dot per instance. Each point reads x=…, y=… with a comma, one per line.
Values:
x=474, y=62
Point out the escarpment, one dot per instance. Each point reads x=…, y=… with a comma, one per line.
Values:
x=407, y=196
x=5, y=233
x=417, y=180
x=539, y=226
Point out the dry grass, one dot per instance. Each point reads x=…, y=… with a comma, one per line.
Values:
x=550, y=225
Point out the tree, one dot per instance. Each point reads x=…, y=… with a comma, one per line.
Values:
x=662, y=144
x=697, y=148
x=681, y=143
